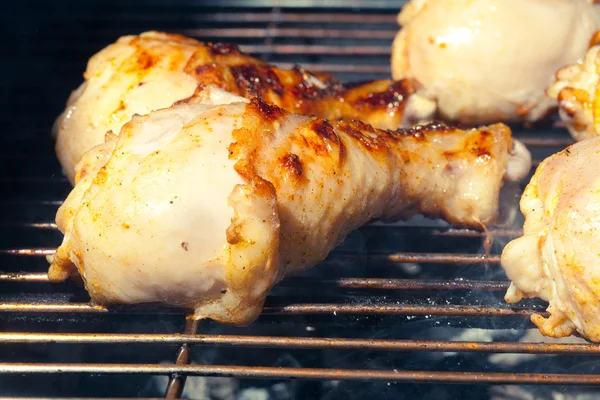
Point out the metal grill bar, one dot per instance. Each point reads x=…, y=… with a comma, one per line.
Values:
x=366, y=69
x=303, y=343
x=399, y=284
x=424, y=258
x=261, y=17
x=349, y=283
x=31, y=203
x=24, y=277
x=296, y=309
x=29, y=252
x=305, y=49
x=177, y=381
x=317, y=49
x=400, y=309
x=32, y=225
x=304, y=373
x=399, y=257
x=545, y=142
x=52, y=307
x=291, y=32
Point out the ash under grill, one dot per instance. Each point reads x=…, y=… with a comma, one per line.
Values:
x=393, y=312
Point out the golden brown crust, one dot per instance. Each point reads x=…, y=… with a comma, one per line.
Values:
x=139, y=74
x=251, y=277
x=300, y=186
x=379, y=103
x=370, y=173
x=477, y=154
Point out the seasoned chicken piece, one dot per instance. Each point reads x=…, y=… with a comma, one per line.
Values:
x=577, y=90
x=558, y=258
x=491, y=60
x=207, y=207
x=139, y=74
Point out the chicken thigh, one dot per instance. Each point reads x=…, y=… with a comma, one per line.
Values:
x=208, y=206
x=558, y=258
x=491, y=60
x=577, y=90
x=139, y=74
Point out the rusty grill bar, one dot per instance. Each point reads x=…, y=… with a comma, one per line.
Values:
x=364, y=309
x=354, y=283
x=303, y=373
x=303, y=342
x=319, y=39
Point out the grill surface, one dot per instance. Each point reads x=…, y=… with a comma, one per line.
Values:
x=407, y=304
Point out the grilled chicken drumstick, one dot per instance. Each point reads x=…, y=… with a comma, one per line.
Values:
x=207, y=207
x=139, y=74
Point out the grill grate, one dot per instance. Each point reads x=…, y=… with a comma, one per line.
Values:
x=406, y=292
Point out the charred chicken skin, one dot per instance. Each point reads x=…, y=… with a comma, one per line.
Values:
x=139, y=74
x=208, y=206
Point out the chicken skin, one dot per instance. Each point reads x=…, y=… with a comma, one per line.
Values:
x=208, y=206
x=139, y=74
x=577, y=91
x=486, y=61
x=557, y=259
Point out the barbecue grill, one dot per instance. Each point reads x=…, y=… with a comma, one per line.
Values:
x=395, y=312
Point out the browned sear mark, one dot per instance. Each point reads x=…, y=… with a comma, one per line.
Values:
x=255, y=79
x=223, y=48
x=144, y=61
x=391, y=98
x=204, y=68
x=482, y=152
x=248, y=79
x=365, y=134
x=326, y=131
x=185, y=246
x=291, y=162
x=269, y=112
x=273, y=81
x=304, y=87
x=430, y=127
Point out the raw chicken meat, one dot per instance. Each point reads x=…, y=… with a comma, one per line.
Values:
x=577, y=90
x=558, y=258
x=208, y=206
x=139, y=74
x=491, y=60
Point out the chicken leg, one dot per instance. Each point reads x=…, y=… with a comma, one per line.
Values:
x=557, y=258
x=208, y=206
x=486, y=61
x=139, y=74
